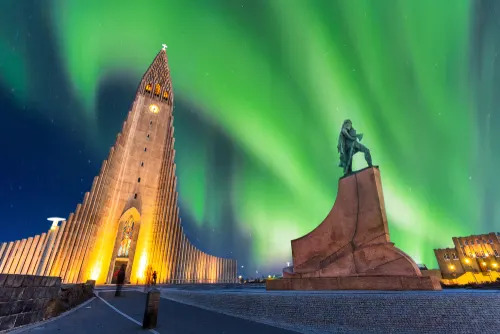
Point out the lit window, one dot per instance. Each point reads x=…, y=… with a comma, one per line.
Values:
x=148, y=87
x=157, y=89
x=165, y=95
x=127, y=230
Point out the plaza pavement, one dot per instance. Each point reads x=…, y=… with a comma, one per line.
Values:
x=250, y=309
x=176, y=318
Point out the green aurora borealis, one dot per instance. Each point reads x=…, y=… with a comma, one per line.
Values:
x=276, y=79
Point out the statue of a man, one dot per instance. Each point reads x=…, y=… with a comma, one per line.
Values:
x=349, y=145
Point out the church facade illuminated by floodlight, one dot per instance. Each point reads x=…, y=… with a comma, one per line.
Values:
x=130, y=216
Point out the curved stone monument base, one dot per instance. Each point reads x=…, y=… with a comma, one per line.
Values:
x=351, y=249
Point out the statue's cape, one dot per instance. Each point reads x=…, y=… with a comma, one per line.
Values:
x=341, y=146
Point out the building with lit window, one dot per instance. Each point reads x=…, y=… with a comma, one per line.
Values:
x=474, y=259
x=130, y=217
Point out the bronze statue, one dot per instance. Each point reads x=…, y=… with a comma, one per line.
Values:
x=349, y=145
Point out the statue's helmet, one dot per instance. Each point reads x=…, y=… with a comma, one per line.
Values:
x=347, y=121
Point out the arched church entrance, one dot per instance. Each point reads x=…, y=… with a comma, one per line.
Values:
x=125, y=244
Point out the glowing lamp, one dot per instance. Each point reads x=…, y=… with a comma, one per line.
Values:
x=452, y=267
x=55, y=221
x=483, y=263
x=494, y=265
x=467, y=261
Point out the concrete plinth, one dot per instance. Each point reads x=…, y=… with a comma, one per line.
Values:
x=356, y=283
x=351, y=248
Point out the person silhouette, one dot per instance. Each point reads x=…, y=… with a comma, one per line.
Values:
x=120, y=279
x=154, y=277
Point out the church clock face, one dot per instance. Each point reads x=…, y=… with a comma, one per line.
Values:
x=154, y=108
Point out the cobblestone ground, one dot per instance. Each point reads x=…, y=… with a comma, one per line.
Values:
x=448, y=311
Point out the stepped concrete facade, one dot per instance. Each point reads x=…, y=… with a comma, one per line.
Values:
x=130, y=216
x=351, y=248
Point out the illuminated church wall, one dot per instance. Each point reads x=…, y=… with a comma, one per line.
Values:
x=130, y=216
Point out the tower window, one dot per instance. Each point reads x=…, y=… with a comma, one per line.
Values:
x=145, y=149
x=148, y=87
x=135, y=196
x=139, y=180
x=142, y=163
x=165, y=95
x=157, y=89
x=148, y=135
x=150, y=122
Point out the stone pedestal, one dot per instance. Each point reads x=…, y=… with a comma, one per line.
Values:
x=351, y=249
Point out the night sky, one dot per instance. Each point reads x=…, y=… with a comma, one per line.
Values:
x=261, y=90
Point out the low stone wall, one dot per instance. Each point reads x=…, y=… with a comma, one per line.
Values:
x=70, y=295
x=24, y=298
x=455, y=311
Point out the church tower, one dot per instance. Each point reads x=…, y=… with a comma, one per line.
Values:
x=130, y=217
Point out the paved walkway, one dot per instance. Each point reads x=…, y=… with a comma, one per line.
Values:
x=173, y=317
